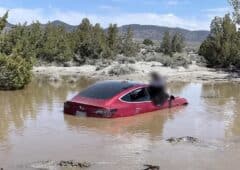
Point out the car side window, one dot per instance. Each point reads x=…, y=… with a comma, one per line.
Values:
x=139, y=95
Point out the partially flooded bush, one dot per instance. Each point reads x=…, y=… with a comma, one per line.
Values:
x=15, y=72
x=121, y=70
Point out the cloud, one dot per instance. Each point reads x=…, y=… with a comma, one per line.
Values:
x=170, y=20
x=106, y=7
x=21, y=15
x=176, y=2
x=221, y=11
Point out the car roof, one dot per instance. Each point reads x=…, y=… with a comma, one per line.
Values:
x=108, y=89
x=121, y=84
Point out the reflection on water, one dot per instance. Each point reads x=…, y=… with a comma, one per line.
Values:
x=150, y=124
x=33, y=128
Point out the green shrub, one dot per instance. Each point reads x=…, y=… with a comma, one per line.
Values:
x=148, y=42
x=125, y=60
x=179, y=61
x=15, y=72
x=121, y=70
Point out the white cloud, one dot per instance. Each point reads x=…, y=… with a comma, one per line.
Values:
x=21, y=15
x=106, y=7
x=176, y=2
x=221, y=11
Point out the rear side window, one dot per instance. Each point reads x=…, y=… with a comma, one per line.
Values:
x=139, y=95
x=104, y=90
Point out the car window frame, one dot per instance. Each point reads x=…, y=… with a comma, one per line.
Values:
x=128, y=93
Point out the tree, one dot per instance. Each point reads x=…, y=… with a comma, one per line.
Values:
x=56, y=45
x=36, y=38
x=166, y=44
x=221, y=48
x=15, y=72
x=3, y=21
x=236, y=7
x=129, y=47
x=177, y=44
x=100, y=42
x=87, y=41
x=148, y=42
x=113, y=39
x=17, y=41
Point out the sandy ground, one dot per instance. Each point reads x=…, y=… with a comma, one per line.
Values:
x=192, y=74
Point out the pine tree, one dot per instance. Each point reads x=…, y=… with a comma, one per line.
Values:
x=12, y=37
x=236, y=10
x=166, y=44
x=177, y=43
x=15, y=70
x=56, y=47
x=100, y=42
x=3, y=21
x=221, y=48
x=83, y=45
x=129, y=47
x=113, y=39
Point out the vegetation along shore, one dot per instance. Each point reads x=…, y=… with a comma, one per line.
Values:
x=54, y=50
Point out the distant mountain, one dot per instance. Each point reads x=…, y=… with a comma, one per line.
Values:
x=68, y=27
x=145, y=31
x=156, y=32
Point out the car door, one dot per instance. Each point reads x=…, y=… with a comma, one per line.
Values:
x=143, y=101
x=139, y=99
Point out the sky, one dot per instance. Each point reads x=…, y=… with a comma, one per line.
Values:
x=188, y=14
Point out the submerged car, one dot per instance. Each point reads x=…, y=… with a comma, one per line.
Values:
x=114, y=99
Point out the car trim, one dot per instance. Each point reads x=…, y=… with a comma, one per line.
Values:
x=120, y=98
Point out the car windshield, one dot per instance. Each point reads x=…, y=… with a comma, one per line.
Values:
x=106, y=89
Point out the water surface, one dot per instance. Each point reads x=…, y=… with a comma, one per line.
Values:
x=33, y=128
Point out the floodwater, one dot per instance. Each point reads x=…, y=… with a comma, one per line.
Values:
x=33, y=128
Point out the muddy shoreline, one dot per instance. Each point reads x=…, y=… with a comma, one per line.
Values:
x=193, y=73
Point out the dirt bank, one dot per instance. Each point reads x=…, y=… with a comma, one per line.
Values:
x=138, y=71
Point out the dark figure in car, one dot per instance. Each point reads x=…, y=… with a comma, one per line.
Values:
x=157, y=89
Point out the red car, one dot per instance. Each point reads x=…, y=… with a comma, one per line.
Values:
x=114, y=99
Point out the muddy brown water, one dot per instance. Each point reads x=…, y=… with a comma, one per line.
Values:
x=33, y=128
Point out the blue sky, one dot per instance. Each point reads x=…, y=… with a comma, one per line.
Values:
x=189, y=14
